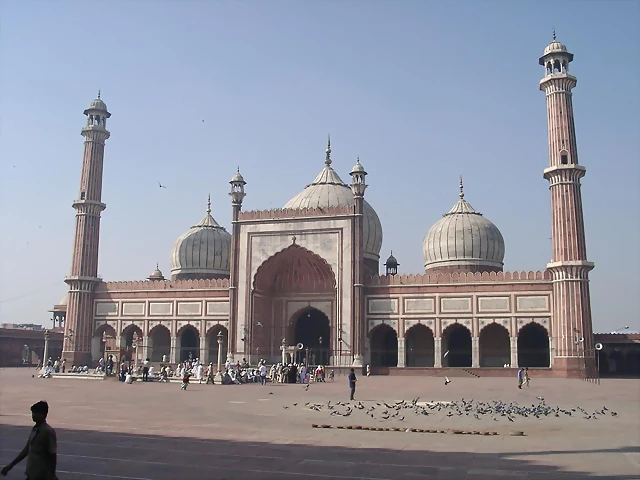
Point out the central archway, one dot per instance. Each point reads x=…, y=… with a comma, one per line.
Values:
x=289, y=277
x=457, y=341
x=313, y=330
x=495, y=346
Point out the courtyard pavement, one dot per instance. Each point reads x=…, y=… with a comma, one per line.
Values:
x=150, y=431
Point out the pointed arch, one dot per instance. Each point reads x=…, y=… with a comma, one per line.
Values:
x=188, y=343
x=384, y=346
x=294, y=269
x=159, y=346
x=533, y=346
x=495, y=346
x=456, y=339
x=419, y=346
x=213, y=346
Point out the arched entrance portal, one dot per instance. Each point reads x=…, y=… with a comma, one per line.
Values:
x=495, y=346
x=189, y=339
x=131, y=346
x=213, y=345
x=457, y=342
x=159, y=343
x=104, y=340
x=289, y=277
x=311, y=328
x=533, y=346
x=419, y=346
x=384, y=346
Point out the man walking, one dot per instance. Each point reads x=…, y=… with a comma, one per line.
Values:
x=352, y=383
x=41, y=448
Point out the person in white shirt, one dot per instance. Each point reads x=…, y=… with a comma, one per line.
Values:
x=263, y=374
x=145, y=370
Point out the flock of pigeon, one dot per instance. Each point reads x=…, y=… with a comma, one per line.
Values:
x=495, y=409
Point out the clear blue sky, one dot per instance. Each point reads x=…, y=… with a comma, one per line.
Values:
x=423, y=91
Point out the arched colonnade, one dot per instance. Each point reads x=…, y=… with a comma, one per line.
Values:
x=160, y=340
x=456, y=345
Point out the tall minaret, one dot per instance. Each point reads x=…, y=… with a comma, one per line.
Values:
x=84, y=265
x=572, y=324
x=237, y=195
x=358, y=186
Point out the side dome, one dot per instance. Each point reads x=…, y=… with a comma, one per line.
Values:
x=328, y=190
x=203, y=252
x=463, y=240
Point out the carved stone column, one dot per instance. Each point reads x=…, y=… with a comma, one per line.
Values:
x=437, y=352
x=514, y=352
x=173, y=351
x=475, y=352
x=401, y=353
x=203, y=350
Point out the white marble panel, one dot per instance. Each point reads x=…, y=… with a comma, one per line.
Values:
x=454, y=305
x=106, y=308
x=538, y=303
x=160, y=308
x=218, y=308
x=383, y=305
x=419, y=305
x=189, y=308
x=133, y=308
x=493, y=304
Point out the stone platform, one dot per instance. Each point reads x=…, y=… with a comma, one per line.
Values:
x=152, y=431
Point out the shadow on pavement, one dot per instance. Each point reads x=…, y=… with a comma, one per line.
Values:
x=86, y=454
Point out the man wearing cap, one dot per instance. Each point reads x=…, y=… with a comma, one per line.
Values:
x=41, y=448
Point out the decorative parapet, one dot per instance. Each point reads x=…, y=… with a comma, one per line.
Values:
x=294, y=213
x=152, y=285
x=444, y=278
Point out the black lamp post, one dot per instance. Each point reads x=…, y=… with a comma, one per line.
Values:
x=321, y=356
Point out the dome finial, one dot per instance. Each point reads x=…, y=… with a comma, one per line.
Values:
x=98, y=93
x=327, y=159
x=209, y=205
x=554, y=34
x=157, y=266
x=461, y=194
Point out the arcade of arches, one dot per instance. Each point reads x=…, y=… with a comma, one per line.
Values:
x=456, y=347
x=294, y=273
x=158, y=346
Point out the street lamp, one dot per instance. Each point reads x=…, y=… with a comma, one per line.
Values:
x=340, y=353
x=283, y=347
x=134, y=344
x=306, y=356
x=320, y=351
x=45, y=359
x=218, y=377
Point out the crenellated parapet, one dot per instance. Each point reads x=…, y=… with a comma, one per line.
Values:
x=153, y=285
x=455, y=277
x=294, y=213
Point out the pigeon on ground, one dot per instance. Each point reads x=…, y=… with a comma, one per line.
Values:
x=447, y=381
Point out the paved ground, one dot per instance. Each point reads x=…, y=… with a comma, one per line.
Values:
x=108, y=430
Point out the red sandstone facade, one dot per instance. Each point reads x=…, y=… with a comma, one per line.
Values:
x=308, y=275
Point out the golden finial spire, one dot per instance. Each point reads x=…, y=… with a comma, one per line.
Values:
x=209, y=205
x=327, y=159
x=461, y=194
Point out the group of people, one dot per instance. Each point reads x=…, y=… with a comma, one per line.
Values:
x=298, y=373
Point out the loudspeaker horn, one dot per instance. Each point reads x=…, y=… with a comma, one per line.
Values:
x=581, y=339
x=598, y=346
x=300, y=346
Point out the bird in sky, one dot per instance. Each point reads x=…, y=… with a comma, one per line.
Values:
x=161, y=185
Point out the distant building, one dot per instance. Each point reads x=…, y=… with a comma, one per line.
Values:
x=308, y=275
x=22, y=326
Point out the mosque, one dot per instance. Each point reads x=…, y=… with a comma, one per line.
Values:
x=304, y=280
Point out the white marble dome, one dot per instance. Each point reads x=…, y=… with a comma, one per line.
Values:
x=554, y=47
x=202, y=252
x=463, y=239
x=328, y=190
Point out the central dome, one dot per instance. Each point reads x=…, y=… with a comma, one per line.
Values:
x=463, y=240
x=328, y=190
